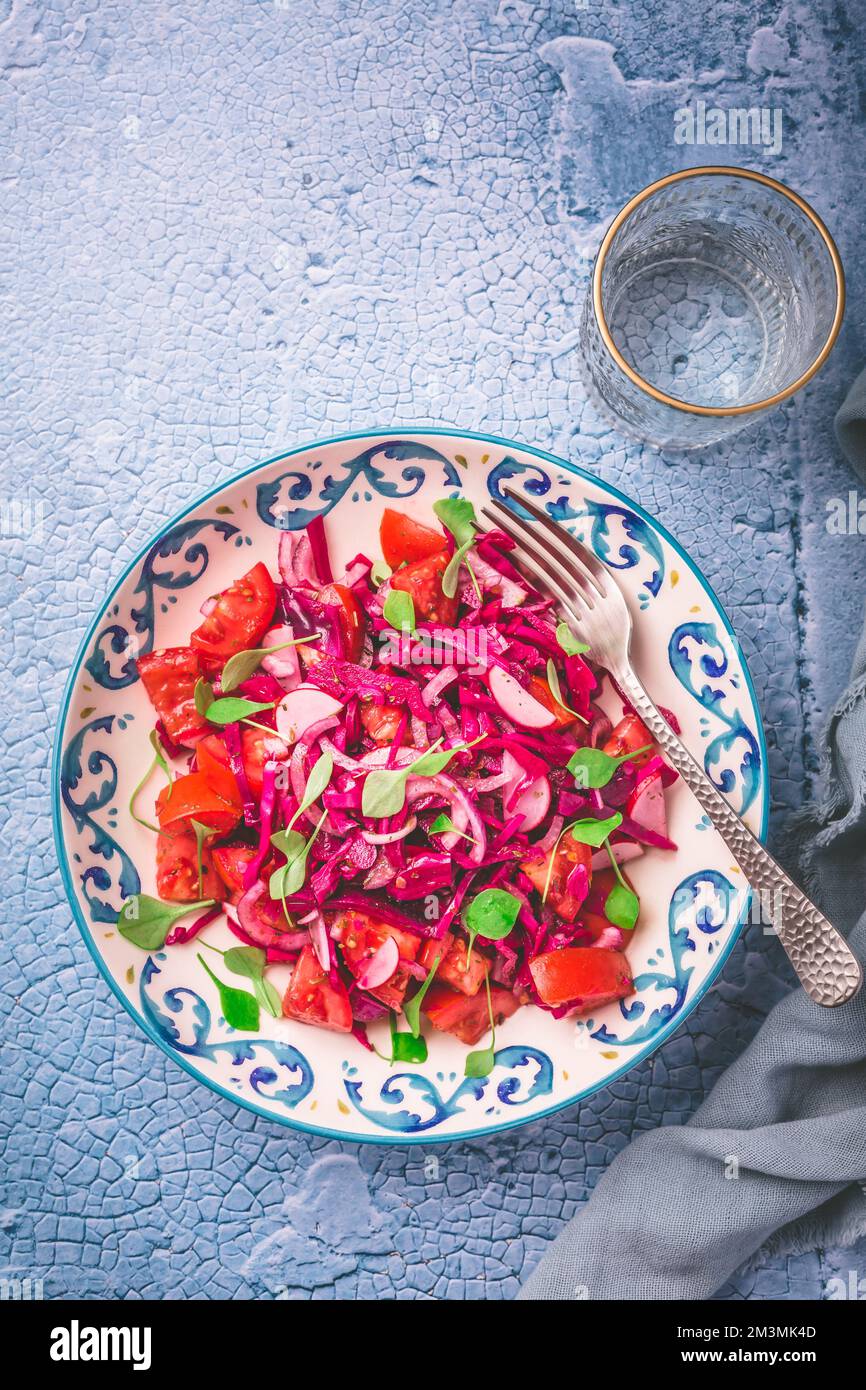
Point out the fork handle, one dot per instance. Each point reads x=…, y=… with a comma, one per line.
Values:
x=825, y=964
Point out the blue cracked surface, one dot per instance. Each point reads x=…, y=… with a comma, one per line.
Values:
x=228, y=229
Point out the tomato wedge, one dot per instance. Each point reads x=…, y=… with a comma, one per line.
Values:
x=360, y=936
x=350, y=617
x=230, y=862
x=569, y=853
x=456, y=968
x=257, y=748
x=238, y=619
x=581, y=975
x=467, y=1018
x=423, y=580
x=627, y=736
x=539, y=687
x=177, y=869
x=192, y=798
x=212, y=761
x=382, y=722
x=311, y=998
x=169, y=677
x=403, y=539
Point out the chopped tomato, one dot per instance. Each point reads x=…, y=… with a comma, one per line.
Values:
x=539, y=687
x=464, y=1016
x=360, y=936
x=628, y=736
x=423, y=580
x=454, y=970
x=581, y=975
x=191, y=798
x=230, y=862
x=569, y=853
x=257, y=748
x=403, y=539
x=169, y=677
x=212, y=761
x=238, y=619
x=177, y=869
x=382, y=722
x=311, y=998
x=349, y=616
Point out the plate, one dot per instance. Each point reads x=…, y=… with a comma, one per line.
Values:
x=693, y=901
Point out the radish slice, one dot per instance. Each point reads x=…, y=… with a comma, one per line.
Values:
x=646, y=805
x=283, y=666
x=533, y=803
x=301, y=708
x=381, y=965
x=622, y=853
x=516, y=703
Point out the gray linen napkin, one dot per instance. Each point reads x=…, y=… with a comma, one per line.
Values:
x=669, y=1219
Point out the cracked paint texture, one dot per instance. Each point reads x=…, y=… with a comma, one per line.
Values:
x=231, y=228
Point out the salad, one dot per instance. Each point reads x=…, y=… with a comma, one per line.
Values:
x=400, y=783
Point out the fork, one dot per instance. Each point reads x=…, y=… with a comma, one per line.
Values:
x=827, y=968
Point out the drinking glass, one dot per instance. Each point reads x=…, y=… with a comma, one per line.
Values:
x=716, y=293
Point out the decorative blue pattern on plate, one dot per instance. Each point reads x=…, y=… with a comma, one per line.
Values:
x=700, y=661
x=190, y=1012
x=542, y=1064
x=704, y=902
x=512, y=1089
x=135, y=636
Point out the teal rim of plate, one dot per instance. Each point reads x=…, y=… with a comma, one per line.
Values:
x=409, y=432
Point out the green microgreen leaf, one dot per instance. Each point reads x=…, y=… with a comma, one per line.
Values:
x=290, y=878
x=203, y=696
x=556, y=691
x=380, y=571
x=592, y=768
x=158, y=761
x=399, y=611
x=621, y=907
x=406, y=1047
x=242, y=665
x=481, y=1063
x=201, y=833
x=240, y=1009
x=250, y=962
x=457, y=515
x=595, y=832
x=451, y=573
x=385, y=788
x=622, y=904
x=161, y=760
x=146, y=922
x=491, y=914
x=412, y=1008
x=233, y=708
x=569, y=643
x=444, y=825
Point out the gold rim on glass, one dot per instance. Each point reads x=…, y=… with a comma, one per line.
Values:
x=653, y=391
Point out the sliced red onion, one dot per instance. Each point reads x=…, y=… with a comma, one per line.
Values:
x=460, y=803
x=232, y=736
x=381, y=873
x=178, y=935
x=319, y=937
x=389, y=837
x=381, y=965
x=434, y=687
x=551, y=835
x=295, y=560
